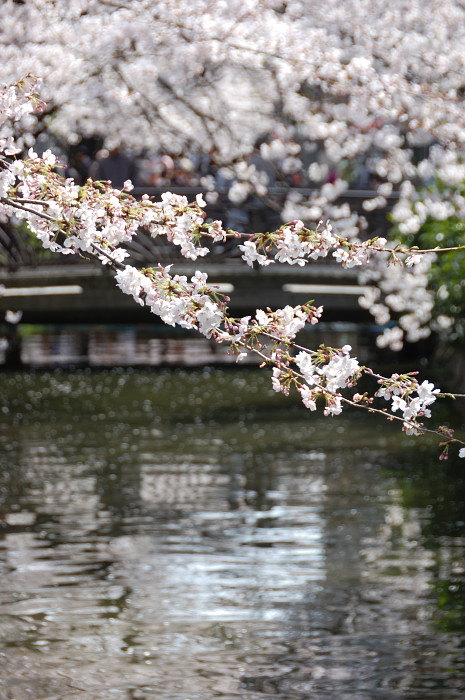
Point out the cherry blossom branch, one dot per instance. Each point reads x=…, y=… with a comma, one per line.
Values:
x=411, y=426
x=184, y=224
x=202, y=310
x=96, y=220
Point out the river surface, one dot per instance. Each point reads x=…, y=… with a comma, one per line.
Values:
x=189, y=535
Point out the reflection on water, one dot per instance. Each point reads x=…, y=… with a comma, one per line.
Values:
x=103, y=347
x=124, y=346
x=145, y=345
x=192, y=535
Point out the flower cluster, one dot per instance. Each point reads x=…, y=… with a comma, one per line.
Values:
x=410, y=398
x=17, y=104
x=400, y=291
x=181, y=223
x=295, y=244
x=173, y=298
x=327, y=372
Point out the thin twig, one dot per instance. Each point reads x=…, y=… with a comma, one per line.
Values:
x=12, y=203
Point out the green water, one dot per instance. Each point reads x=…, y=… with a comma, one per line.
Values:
x=187, y=535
